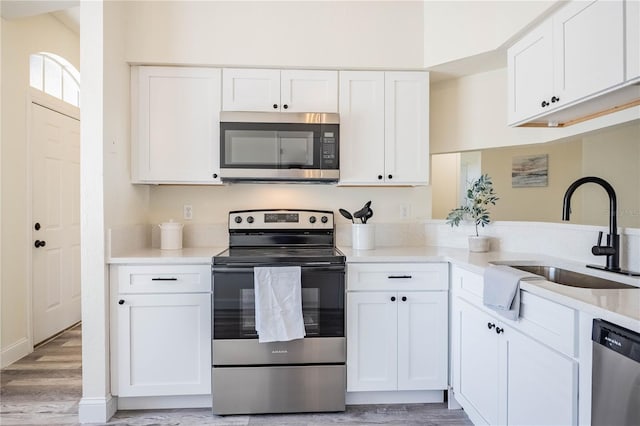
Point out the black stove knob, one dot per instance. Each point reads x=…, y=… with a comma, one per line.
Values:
x=238, y=219
x=324, y=219
x=250, y=219
x=312, y=219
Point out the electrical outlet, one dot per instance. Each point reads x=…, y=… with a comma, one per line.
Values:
x=405, y=211
x=187, y=211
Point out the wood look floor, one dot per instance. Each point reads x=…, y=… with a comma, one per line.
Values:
x=44, y=388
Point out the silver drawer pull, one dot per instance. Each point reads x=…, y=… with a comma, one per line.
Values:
x=164, y=279
x=399, y=277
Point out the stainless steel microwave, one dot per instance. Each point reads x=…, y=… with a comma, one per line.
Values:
x=286, y=147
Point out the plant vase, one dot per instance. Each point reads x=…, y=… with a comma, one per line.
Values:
x=479, y=244
x=363, y=236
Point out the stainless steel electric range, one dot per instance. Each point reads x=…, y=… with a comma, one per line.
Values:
x=303, y=375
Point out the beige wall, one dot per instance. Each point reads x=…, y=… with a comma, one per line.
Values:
x=537, y=204
x=614, y=156
x=277, y=33
x=486, y=25
x=470, y=113
x=20, y=38
x=445, y=181
x=212, y=204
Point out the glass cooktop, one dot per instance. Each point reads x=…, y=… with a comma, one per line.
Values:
x=279, y=255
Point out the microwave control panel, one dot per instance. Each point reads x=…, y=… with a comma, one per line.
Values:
x=329, y=149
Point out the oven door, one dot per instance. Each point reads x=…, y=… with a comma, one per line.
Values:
x=323, y=292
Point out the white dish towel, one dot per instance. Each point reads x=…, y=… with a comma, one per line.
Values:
x=502, y=289
x=278, y=303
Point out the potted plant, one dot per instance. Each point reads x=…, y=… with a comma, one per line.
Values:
x=480, y=195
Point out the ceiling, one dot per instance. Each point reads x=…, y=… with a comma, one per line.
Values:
x=66, y=11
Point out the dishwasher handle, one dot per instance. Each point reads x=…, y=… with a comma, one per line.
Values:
x=616, y=338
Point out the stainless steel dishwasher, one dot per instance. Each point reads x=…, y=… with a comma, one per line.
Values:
x=615, y=384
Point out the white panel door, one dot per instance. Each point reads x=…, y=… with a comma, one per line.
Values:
x=371, y=341
x=55, y=144
x=164, y=344
x=361, y=126
x=178, y=126
x=309, y=91
x=479, y=367
x=250, y=89
x=422, y=340
x=406, y=155
x=633, y=39
x=541, y=383
x=530, y=75
x=588, y=48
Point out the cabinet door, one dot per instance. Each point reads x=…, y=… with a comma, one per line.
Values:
x=406, y=153
x=309, y=91
x=530, y=74
x=250, y=90
x=361, y=127
x=588, y=48
x=164, y=344
x=633, y=39
x=422, y=340
x=372, y=341
x=479, y=366
x=176, y=132
x=541, y=383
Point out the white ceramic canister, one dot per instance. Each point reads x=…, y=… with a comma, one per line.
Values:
x=363, y=236
x=171, y=235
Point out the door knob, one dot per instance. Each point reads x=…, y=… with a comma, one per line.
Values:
x=37, y=226
x=393, y=298
x=39, y=243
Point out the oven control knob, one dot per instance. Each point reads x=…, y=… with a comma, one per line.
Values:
x=312, y=219
x=250, y=219
x=238, y=219
x=324, y=219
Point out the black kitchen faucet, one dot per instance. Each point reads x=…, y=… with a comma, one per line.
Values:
x=612, y=248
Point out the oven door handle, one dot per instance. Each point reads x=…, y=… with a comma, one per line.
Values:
x=249, y=268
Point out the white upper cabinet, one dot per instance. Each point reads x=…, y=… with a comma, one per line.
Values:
x=361, y=126
x=633, y=39
x=530, y=76
x=384, y=128
x=175, y=125
x=264, y=90
x=588, y=48
x=577, y=53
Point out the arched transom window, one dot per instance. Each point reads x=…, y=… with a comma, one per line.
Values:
x=56, y=76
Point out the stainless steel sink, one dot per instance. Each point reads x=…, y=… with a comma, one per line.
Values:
x=570, y=278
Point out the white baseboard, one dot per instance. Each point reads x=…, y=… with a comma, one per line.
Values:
x=398, y=397
x=14, y=352
x=452, y=402
x=164, y=402
x=96, y=410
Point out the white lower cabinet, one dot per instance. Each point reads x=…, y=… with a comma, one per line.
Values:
x=501, y=376
x=160, y=336
x=397, y=335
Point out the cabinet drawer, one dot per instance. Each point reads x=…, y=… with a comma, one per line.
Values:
x=549, y=322
x=164, y=279
x=397, y=276
x=467, y=283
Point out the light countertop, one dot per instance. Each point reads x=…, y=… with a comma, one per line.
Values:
x=155, y=256
x=619, y=306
